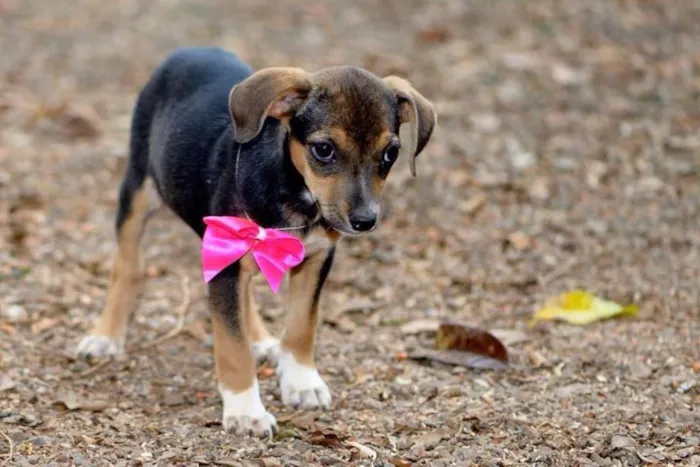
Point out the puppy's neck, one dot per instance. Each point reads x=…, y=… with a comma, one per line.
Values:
x=269, y=187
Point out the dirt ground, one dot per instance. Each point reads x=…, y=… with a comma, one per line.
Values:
x=567, y=155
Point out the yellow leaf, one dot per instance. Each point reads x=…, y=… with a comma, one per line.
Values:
x=580, y=307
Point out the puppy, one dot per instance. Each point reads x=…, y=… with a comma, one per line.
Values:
x=309, y=152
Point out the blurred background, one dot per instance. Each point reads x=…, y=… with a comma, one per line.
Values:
x=567, y=155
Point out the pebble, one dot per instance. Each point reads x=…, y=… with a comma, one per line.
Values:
x=15, y=313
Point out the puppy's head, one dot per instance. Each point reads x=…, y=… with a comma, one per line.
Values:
x=343, y=126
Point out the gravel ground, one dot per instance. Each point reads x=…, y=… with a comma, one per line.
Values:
x=567, y=155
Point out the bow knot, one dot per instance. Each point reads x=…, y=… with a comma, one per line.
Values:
x=227, y=239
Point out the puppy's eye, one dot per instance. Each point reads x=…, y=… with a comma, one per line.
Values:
x=390, y=155
x=323, y=152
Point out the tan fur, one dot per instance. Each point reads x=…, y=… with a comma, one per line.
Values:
x=125, y=281
x=255, y=327
x=303, y=317
x=327, y=190
x=274, y=92
x=235, y=365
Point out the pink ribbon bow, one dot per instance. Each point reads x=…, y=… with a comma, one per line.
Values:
x=227, y=239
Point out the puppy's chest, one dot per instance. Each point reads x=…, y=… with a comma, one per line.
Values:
x=316, y=241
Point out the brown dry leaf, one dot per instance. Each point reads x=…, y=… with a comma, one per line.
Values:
x=455, y=336
x=521, y=241
x=329, y=440
x=398, y=462
x=77, y=125
x=435, y=34
x=457, y=344
x=301, y=420
x=44, y=324
x=474, y=204
x=71, y=401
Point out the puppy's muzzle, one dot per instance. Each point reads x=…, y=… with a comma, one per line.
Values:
x=364, y=217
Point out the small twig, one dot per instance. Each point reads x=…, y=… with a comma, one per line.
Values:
x=94, y=368
x=545, y=280
x=182, y=312
x=12, y=448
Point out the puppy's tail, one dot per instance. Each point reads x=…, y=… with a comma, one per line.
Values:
x=137, y=166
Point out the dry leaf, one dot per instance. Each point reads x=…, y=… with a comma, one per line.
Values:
x=329, y=440
x=581, y=307
x=474, y=204
x=44, y=324
x=520, y=241
x=398, y=462
x=6, y=383
x=432, y=439
x=75, y=125
x=71, y=401
x=459, y=358
x=455, y=336
x=364, y=450
x=303, y=420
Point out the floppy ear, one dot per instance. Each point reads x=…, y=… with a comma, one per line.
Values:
x=273, y=92
x=417, y=112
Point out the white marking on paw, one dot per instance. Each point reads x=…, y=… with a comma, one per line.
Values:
x=301, y=386
x=267, y=349
x=97, y=346
x=245, y=414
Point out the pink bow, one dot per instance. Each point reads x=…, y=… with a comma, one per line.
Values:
x=227, y=239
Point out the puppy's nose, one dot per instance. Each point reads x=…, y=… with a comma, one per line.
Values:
x=363, y=219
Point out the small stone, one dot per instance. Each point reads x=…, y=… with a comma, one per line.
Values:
x=510, y=92
x=685, y=386
x=638, y=370
x=15, y=314
x=485, y=123
x=567, y=76
x=619, y=441
x=520, y=240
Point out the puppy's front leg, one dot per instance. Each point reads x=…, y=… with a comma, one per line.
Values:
x=244, y=413
x=300, y=383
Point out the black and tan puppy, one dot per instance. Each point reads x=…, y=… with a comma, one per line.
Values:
x=291, y=149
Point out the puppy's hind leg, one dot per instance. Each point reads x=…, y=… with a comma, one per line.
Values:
x=108, y=335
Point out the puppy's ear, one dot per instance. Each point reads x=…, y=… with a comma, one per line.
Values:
x=417, y=112
x=271, y=92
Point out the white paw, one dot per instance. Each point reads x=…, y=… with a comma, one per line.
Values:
x=245, y=414
x=301, y=386
x=97, y=346
x=267, y=349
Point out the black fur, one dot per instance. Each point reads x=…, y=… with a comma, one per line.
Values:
x=183, y=138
